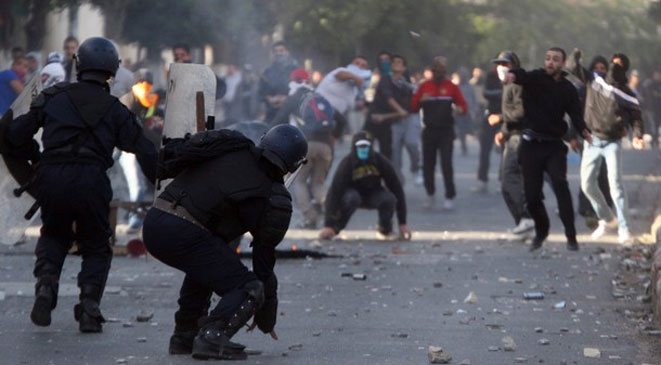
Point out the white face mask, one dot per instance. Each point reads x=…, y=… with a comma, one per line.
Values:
x=502, y=72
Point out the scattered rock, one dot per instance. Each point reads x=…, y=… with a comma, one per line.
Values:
x=142, y=339
x=543, y=342
x=438, y=284
x=121, y=361
x=539, y=329
x=144, y=316
x=493, y=348
x=591, y=353
x=127, y=324
x=296, y=347
x=521, y=360
x=560, y=305
x=471, y=298
x=360, y=277
x=436, y=355
x=399, y=335
x=465, y=362
x=508, y=343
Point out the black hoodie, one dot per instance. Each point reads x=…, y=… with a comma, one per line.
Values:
x=365, y=177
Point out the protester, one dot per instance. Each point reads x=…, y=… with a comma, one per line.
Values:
x=11, y=83
x=405, y=131
x=181, y=53
x=313, y=114
x=609, y=106
x=465, y=121
x=547, y=96
x=343, y=86
x=274, y=83
x=512, y=120
x=436, y=98
x=33, y=66
x=493, y=93
x=358, y=183
x=70, y=47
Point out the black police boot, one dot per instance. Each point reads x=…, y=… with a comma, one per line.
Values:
x=212, y=343
x=536, y=243
x=181, y=343
x=45, y=300
x=87, y=312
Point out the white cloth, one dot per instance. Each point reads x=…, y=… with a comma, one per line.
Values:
x=340, y=94
x=55, y=73
x=122, y=82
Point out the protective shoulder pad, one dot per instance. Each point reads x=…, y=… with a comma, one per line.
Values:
x=48, y=93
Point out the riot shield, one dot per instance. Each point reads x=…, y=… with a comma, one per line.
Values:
x=190, y=99
x=15, y=173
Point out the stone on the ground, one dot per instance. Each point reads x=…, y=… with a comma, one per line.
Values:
x=543, y=341
x=144, y=316
x=471, y=298
x=436, y=355
x=591, y=353
x=509, y=344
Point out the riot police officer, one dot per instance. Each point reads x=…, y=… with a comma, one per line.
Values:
x=82, y=123
x=210, y=204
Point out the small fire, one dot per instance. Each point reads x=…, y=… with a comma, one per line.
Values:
x=294, y=247
x=238, y=250
x=141, y=91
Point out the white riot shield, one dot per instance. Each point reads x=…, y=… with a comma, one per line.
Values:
x=181, y=114
x=12, y=208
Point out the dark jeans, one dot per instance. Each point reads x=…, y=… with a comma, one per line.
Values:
x=435, y=141
x=74, y=195
x=382, y=200
x=487, y=133
x=209, y=263
x=536, y=158
x=383, y=133
x=512, y=179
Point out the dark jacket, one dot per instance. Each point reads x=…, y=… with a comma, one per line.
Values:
x=513, y=113
x=493, y=92
x=82, y=124
x=437, y=110
x=365, y=177
x=545, y=102
x=609, y=102
x=250, y=199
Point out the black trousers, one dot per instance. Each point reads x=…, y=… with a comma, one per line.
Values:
x=512, y=179
x=382, y=200
x=487, y=134
x=75, y=205
x=383, y=134
x=536, y=158
x=211, y=266
x=435, y=142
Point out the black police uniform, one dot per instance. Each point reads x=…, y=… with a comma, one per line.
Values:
x=82, y=123
x=204, y=208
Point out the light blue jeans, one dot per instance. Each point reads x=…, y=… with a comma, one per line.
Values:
x=590, y=165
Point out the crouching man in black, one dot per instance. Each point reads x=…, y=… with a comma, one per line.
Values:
x=209, y=204
x=358, y=183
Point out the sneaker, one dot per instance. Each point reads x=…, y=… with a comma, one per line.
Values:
x=482, y=187
x=525, y=225
x=602, y=226
x=624, y=237
x=448, y=204
x=419, y=179
x=430, y=203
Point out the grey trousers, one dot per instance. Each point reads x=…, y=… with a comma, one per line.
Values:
x=406, y=134
x=309, y=183
x=511, y=179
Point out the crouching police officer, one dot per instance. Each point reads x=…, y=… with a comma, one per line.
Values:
x=206, y=206
x=82, y=123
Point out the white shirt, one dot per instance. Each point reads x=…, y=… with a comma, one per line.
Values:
x=340, y=94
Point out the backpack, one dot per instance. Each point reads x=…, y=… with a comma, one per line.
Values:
x=177, y=154
x=315, y=115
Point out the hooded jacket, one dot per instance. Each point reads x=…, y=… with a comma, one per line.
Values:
x=609, y=102
x=365, y=177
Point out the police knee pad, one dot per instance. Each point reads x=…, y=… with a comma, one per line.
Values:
x=255, y=290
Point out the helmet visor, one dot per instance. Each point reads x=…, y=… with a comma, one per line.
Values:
x=291, y=176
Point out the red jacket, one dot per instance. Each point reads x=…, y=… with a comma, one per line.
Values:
x=438, y=110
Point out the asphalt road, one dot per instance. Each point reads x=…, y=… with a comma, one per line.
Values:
x=412, y=296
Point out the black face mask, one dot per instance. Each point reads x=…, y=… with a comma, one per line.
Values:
x=619, y=73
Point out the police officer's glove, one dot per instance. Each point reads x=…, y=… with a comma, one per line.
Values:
x=266, y=316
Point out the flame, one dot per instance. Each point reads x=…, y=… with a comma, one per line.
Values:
x=141, y=91
x=238, y=250
x=294, y=247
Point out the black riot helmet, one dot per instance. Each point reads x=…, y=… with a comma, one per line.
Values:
x=509, y=57
x=285, y=146
x=97, y=54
